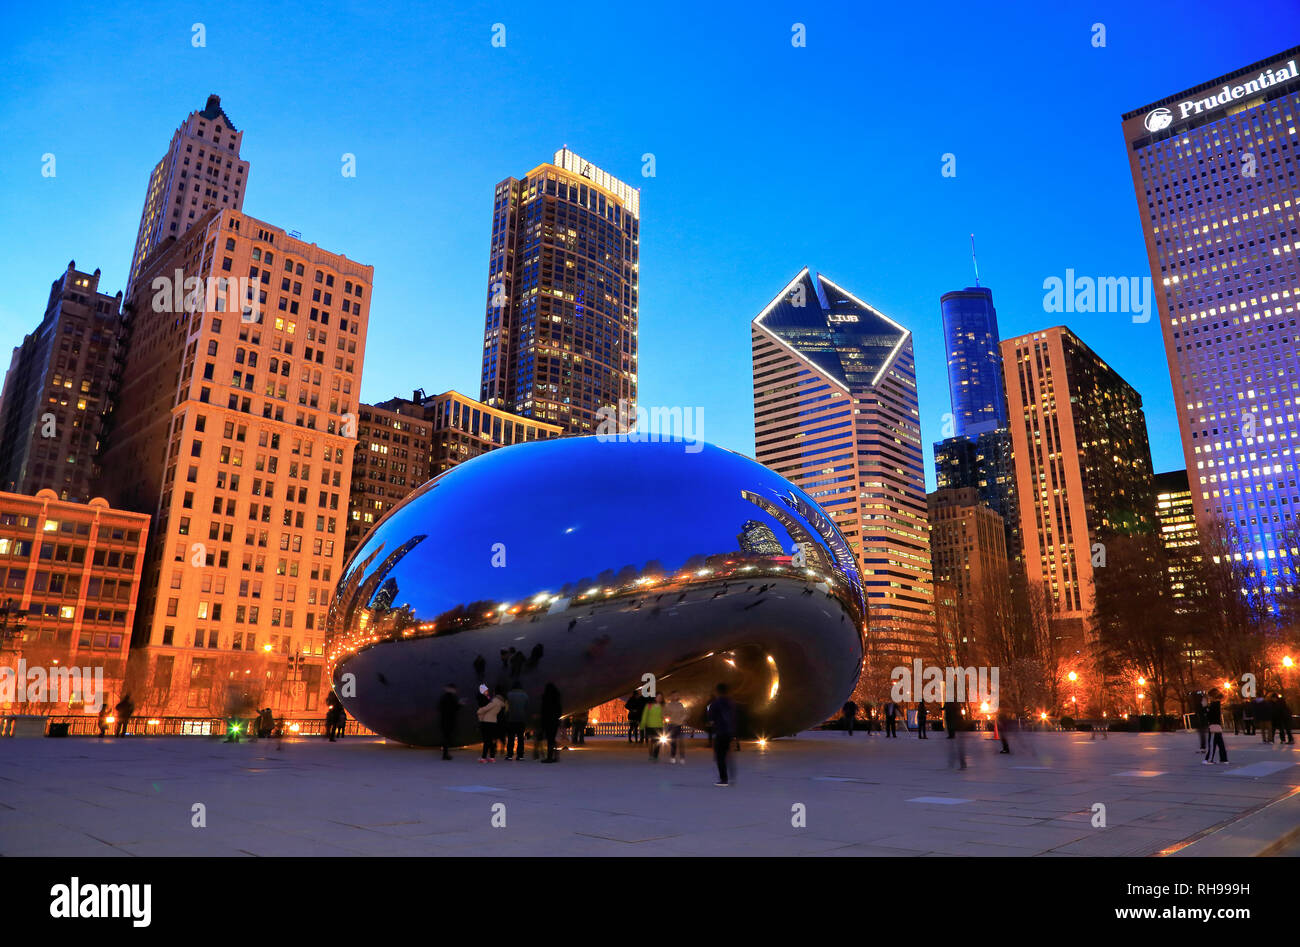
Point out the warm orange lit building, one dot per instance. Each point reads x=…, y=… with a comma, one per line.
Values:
x=236, y=431
x=836, y=413
x=71, y=577
x=391, y=460
x=968, y=549
x=58, y=389
x=464, y=428
x=1083, y=466
x=201, y=170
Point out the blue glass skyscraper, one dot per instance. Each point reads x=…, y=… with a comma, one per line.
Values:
x=978, y=454
x=970, y=332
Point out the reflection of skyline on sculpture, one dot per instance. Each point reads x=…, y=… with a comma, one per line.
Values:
x=684, y=554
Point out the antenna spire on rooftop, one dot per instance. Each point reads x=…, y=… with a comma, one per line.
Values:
x=973, y=260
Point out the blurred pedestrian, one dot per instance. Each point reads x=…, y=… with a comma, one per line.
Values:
x=488, y=716
x=1214, y=727
x=652, y=724
x=104, y=714
x=722, y=714
x=125, y=707
x=1282, y=720
x=850, y=716
x=675, y=719
x=550, y=714
x=921, y=714
x=891, y=719
x=448, y=711
x=578, y=728
x=953, y=724
x=634, y=705
x=516, y=720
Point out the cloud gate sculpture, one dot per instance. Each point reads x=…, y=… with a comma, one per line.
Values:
x=592, y=562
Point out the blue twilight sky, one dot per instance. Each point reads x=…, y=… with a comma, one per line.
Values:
x=768, y=157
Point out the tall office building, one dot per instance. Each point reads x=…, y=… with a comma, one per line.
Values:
x=968, y=550
x=1179, y=535
x=236, y=433
x=978, y=455
x=201, y=170
x=1083, y=466
x=1214, y=169
x=836, y=413
x=560, y=339
x=57, y=391
x=970, y=332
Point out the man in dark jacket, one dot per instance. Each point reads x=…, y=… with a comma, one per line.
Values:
x=850, y=710
x=891, y=715
x=1282, y=720
x=448, y=708
x=550, y=719
x=634, y=706
x=125, y=707
x=516, y=720
x=921, y=723
x=721, y=713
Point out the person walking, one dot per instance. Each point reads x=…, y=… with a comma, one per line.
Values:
x=891, y=719
x=448, y=710
x=722, y=715
x=1282, y=720
x=488, y=715
x=675, y=718
x=850, y=713
x=578, y=728
x=652, y=724
x=550, y=715
x=516, y=720
x=104, y=714
x=634, y=705
x=1214, y=728
x=952, y=723
x=331, y=714
x=1248, y=717
x=125, y=707
x=1199, y=705
x=1264, y=719
x=921, y=714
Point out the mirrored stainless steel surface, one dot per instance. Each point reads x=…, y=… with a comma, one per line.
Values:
x=590, y=563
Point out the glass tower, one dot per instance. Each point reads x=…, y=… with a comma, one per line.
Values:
x=560, y=337
x=1214, y=170
x=836, y=413
x=970, y=331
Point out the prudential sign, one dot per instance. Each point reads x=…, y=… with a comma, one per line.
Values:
x=1161, y=117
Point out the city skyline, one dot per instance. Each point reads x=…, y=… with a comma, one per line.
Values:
x=699, y=236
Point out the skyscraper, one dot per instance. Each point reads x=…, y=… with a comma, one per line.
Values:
x=560, y=338
x=970, y=331
x=1178, y=535
x=1214, y=169
x=201, y=169
x=969, y=553
x=1083, y=466
x=236, y=431
x=57, y=391
x=836, y=413
x=978, y=454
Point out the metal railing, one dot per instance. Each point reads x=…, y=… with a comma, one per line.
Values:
x=87, y=725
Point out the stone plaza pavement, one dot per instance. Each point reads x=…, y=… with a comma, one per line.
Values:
x=861, y=796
